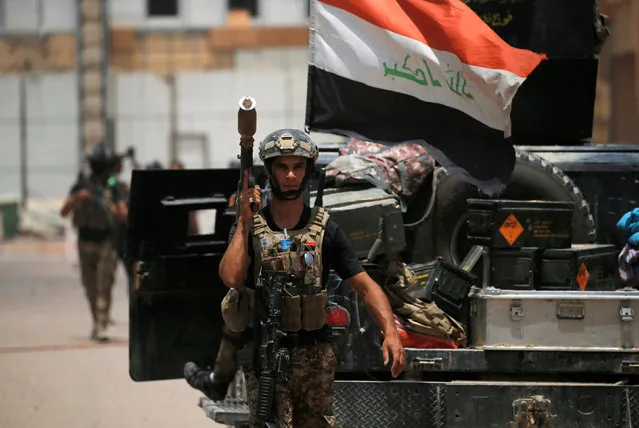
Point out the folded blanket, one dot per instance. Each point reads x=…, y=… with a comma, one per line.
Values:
x=629, y=266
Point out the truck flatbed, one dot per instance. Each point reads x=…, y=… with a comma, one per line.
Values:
x=465, y=404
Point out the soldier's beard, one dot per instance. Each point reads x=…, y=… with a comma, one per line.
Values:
x=287, y=195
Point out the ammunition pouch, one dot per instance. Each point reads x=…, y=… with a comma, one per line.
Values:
x=237, y=306
x=314, y=311
x=291, y=313
x=306, y=312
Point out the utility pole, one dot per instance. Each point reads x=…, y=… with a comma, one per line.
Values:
x=24, y=193
x=24, y=149
x=171, y=82
x=173, y=113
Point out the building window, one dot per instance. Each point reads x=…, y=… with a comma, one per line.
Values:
x=162, y=8
x=250, y=5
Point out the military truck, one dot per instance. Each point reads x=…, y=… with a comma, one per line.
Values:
x=535, y=358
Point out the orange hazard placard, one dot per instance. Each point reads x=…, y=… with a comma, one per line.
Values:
x=582, y=277
x=511, y=229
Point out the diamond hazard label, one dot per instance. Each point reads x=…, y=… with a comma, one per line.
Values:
x=511, y=229
x=582, y=277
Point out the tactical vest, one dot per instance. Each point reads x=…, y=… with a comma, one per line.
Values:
x=94, y=213
x=299, y=253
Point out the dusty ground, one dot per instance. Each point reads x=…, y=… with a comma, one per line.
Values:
x=51, y=375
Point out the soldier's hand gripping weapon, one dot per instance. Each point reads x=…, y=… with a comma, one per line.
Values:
x=246, y=127
x=271, y=358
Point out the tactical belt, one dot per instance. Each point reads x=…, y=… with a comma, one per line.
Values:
x=246, y=356
x=306, y=338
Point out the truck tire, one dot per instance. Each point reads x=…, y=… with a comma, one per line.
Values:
x=532, y=178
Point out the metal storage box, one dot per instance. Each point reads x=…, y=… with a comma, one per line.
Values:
x=554, y=320
x=505, y=223
x=516, y=269
x=365, y=214
x=445, y=284
x=582, y=267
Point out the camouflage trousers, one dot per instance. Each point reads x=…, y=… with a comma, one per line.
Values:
x=304, y=393
x=98, y=263
x=226, y=360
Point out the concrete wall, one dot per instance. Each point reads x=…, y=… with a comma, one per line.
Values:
x=38, y=15
x=207, y=13
x=51, y=134
x=60, y=15
x=206, y=103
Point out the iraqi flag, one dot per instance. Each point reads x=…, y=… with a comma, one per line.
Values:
x=421, y=71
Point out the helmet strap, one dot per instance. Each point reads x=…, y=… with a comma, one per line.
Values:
x=289, y=195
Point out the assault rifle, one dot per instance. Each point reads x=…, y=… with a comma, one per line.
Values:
x=96, y=190
x=271, y=358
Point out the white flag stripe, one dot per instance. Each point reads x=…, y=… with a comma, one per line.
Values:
x=350, y=47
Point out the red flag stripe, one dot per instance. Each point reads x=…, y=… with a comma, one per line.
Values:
x=446, y=25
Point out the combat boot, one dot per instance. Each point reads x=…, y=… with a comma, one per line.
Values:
x=99, y=333
x=204, y=381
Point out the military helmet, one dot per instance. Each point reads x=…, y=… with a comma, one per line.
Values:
x=100, y=159
x=100, y=152
x=288, y=142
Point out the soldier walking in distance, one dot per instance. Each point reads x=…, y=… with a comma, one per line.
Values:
x=289, y=237
x=97, y=209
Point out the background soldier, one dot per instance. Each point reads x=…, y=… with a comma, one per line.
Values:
x=97, y=210
x=305, y=244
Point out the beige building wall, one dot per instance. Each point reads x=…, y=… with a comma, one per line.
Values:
x=617, y=106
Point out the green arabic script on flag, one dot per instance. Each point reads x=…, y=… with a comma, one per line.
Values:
x=456, y=82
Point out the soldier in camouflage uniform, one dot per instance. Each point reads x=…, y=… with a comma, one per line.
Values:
x=290, y=237
x=97, y=210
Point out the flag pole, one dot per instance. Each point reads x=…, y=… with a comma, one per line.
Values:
x=310, y=83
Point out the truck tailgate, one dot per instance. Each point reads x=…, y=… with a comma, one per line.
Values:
x=465, y=404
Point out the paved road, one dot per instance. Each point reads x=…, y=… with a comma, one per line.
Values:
x=52, y=376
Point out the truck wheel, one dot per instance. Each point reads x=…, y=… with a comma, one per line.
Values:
x=532, y=178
